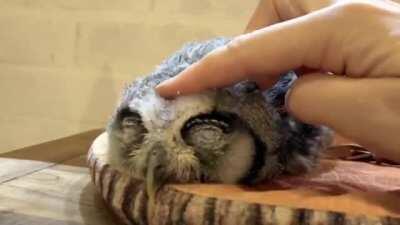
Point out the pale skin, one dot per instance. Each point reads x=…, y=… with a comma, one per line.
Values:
x=346, y=52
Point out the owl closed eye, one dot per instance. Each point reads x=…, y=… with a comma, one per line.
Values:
x=237, y=134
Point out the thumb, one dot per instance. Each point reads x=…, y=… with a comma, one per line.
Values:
x=364, y=110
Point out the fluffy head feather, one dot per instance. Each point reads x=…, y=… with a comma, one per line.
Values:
x=232, y=135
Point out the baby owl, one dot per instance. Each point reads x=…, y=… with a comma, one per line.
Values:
x=236, y=134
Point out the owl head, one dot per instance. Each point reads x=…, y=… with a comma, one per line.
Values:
x=236, y=134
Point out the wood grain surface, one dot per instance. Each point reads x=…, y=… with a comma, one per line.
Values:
x=49, y=184
x=34, y=158
x=231, y=204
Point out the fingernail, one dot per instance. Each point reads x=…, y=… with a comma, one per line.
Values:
x=287, y=100
x=159, y=88
x=162, y=90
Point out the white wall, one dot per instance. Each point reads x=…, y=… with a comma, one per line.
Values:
x=63, y=63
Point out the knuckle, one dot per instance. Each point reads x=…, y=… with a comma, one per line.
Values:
x=235, y=45
x=235, y=50
x=357, y=7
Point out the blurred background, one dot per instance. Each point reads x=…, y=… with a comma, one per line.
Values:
x=63, y=63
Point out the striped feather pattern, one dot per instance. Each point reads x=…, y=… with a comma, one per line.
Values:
x=127, y=200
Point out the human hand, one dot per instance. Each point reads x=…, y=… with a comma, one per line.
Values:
x=351, y=39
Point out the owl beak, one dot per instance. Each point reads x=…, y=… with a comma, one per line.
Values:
x=155, y=175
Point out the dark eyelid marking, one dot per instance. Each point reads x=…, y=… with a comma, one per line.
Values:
x=127, y=112
x=225, y=121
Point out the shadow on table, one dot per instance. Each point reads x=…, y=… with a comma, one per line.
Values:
x=92, y=208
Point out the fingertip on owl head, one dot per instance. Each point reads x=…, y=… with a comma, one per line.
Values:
x=170, y=89
x=163, y=90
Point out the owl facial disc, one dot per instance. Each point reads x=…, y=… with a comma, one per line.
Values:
x=236, y=134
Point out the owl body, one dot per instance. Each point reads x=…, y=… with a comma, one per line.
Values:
x=237, y=134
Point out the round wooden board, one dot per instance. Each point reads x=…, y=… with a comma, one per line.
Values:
x=264, y=204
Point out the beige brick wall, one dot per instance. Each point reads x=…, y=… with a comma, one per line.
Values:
x=63, y=63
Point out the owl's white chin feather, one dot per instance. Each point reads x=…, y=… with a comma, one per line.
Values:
x=184, y=167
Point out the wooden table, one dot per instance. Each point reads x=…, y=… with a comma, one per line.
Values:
x=49, y=184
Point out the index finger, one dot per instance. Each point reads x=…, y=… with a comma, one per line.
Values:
x=260, y=55
x=219, y=68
